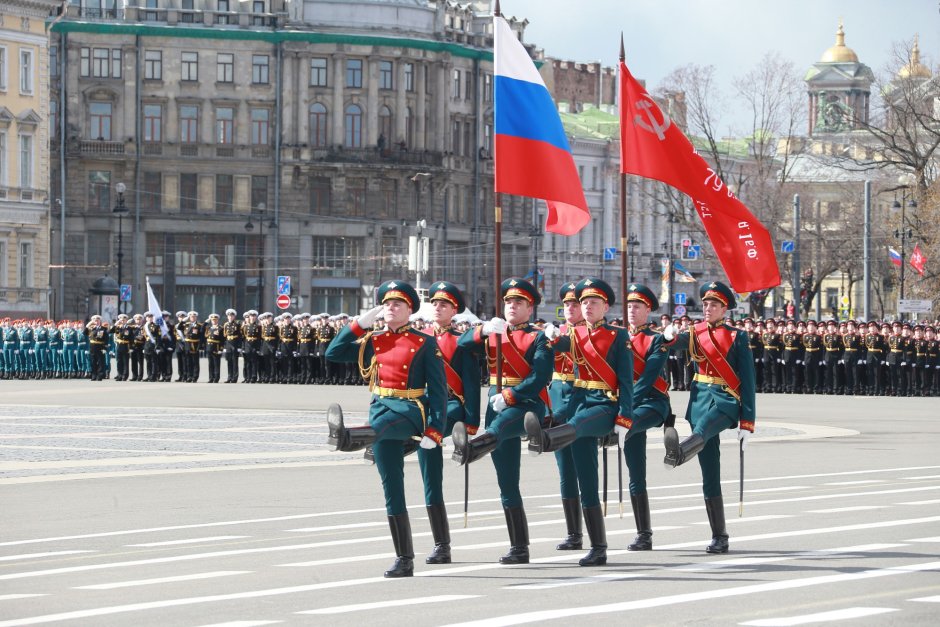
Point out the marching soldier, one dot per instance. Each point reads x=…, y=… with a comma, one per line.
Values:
x=251, y=332
x=722, y=398
x=792, y=345
x=232, y=332
x=651, y=407
x=773, y=358
x=215, y=338
x=832, y=343
x=194, y=335
x=812, y=345
x=406, y=377
x=306, y=340
x=895, y=359
x=324, y=336
x=851, y=347
x=137, y=348
x=875, y=347
x=153, y=347
x=182, y=374
x=932, y=379
x=563, y=397
x=123, y=337
x=603, y=361
x=287, y=346
x=269, y=341
x=757, y=350
x=97, y=334
x=907, y=365
x=463, y=406
x=526, y=370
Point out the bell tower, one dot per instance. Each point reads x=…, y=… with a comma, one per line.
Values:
x=839, y=90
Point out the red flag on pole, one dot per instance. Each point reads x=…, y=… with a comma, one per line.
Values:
x=653, y=147
x=918, y=260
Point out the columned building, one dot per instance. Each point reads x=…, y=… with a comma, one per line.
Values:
x=304, y=138
x=24, y=158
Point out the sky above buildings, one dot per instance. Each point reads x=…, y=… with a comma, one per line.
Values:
x=732, y=35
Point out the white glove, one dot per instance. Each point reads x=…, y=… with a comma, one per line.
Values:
x=427, y=443
x=903, y=363
x=551, y=331
x=841, y=361
x=743, y=436
x=494, y=326
x=621, y=432
x=822, y=363
x=498, y=403
x=367, y=319
x=669, y=333
x=799, y=361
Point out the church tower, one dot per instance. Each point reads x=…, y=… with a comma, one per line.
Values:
x=839, y=89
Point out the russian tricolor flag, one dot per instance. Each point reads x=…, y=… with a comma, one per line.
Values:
x=532, y=155
x=895, y=257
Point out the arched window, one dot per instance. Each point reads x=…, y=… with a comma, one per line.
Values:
x=353, y=126
x=317, y=125
x=385, y=127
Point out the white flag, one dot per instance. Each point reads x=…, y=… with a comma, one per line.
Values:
x=154, y=307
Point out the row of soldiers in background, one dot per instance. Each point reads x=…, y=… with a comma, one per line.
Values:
x=850, y=358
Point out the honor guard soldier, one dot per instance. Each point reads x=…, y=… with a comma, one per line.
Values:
x=651, y=408
x=875, y=347
x=41, y=347
x=463, y=406
x=851, y=348
x=832, y=343
x=757, y=350
x=932, y=379
x=123, y=336
x=895, y=359
x=287, y=346
x=137, y=348
x=324, y=336
x=907, y=366
x=722, y=398
x=194, y=335
x=152, y=347
x=603, y=361
x=306, y=343
x=406, y=376
x=179, y=333
x=232, y=331
x=269, y=342
x=97, y=334
x=215, y=339
x=792, y=347
x=526, y=370
x=812, y=345
x=563, y=397
x=251, y=334
x=773, y=358
x=920, y=362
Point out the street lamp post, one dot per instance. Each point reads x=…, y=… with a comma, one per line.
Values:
x=671, y=259
x=904, y=233
x=632, y=243
x=249, y=227
x=120, y=210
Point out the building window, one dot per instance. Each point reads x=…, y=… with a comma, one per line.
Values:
x=468, y=87
x=188, y=192
x=98, y=248
x=100, y=62
x=354, y=73
x=152, y=192
x=353, y=126
x=257, y=7
x=3, y=160
x=487, y=88
x=3, y=68
x=385, y=126
x=225, y=67
x=100, y=113
x=259, y=69
x=259, y=192
x=53, y=118
x=356, y=196
x=189, y=124
x=190, y=66
x=116, y=62
x=468, y=139
x=26, y=71
x=332, y=257
x=259, y=126
x=389, y=199
x=153, y=119
x=319, y=195
x=99, y=190
x=385, y=75
x=26, y=264
x=188, y=16
x=456, y=88
x=223, y=7
x=488, y=139
x=53, y=61
x=409, y=128
x=317, y=125
x=224, y=125
x=455, y=138
x=153, y=65
x=409, y=77
x=224, y=190
x=318, y=72
x=26, y=161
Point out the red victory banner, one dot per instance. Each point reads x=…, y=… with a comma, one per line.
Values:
x=918, y=260
x=653, y=147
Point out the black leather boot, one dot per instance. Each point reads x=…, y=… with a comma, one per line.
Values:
x=440, y=530
x=547, y=440
x=404, y=564
x=594, y=521
x=518, y=528
x=343, y=439
x=573, y=542
x=644, y=531
x=467, y=451
x=715, y=506
x=408, y=447
x=679, y=453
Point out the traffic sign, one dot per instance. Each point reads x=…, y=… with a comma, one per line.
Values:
x=125, y=293
x=679, y=298
x=283, y=301
x=560, y=313
x=915, y=306
x=787, y=246
x=610, y=254
x=694, y=251
x=679, y=310
x=283, y=286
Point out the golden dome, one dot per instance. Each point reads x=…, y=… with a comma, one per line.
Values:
x=915, y=69
x=839, y=53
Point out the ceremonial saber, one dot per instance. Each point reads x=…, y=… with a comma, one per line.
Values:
x=466, y=492
x=620, y=476
x=605, y=480
x=741, y=482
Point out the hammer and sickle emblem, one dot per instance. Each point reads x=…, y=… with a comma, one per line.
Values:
x=650, y=124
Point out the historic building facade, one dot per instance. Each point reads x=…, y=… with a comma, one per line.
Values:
x=24, y=158
x=273, y=138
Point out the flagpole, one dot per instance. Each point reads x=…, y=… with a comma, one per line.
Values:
x=498, y=243
x=623, y=285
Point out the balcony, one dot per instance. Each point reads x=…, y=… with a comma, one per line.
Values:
x=23, y=194
x=24, y=299
x=101, y=147
x=95, y=13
